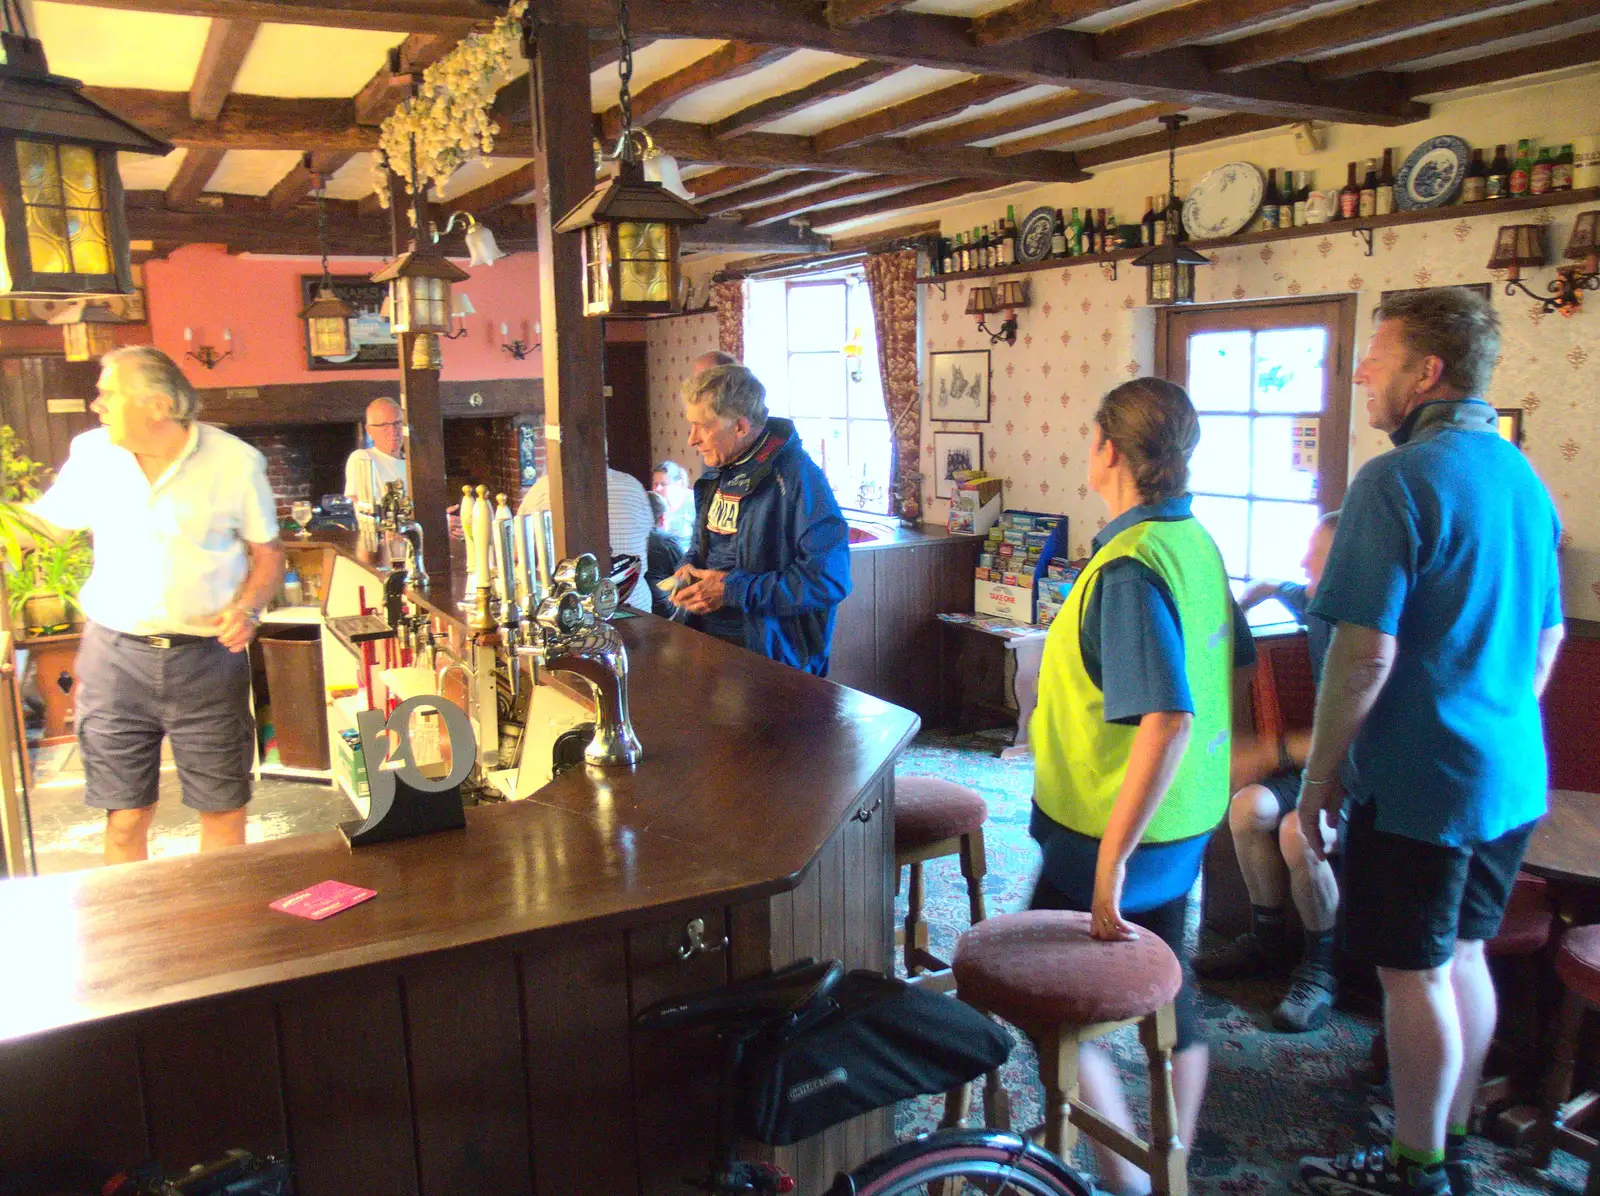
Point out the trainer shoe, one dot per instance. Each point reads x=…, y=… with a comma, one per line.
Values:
x=1458, y=1164
x=1373, y=1170
x=1309, y=1002
x=1248, y=955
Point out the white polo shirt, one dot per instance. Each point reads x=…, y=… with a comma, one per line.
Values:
x=628, y=513
x=169, y=556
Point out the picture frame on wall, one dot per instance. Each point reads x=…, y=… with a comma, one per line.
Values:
x=953, y=451
x=1509, y=424
x=373, y=343
x=958, y=386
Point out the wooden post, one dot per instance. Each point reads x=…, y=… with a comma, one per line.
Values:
x=424, y=415
x=574, y=344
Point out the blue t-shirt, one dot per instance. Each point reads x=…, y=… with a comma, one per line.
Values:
x=1319, y=632
x=1448, y=543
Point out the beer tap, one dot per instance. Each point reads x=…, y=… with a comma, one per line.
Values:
x=395, y=516
x=505, y=570
x=482, y=618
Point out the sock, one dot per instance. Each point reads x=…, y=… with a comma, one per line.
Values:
x=1319, y=952
x=1423, y=1159
x=1455, y=1143
x=1268, y=925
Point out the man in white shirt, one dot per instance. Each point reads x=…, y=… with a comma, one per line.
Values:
x=628, y=511
x=186, y=556
x=384, y=462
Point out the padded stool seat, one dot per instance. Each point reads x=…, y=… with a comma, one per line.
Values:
x=1526, y=927
x=1578, y=962
x=1042, y=968
x=1562, y=1116
x=929, y=810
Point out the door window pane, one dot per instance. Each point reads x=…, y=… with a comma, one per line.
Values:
x=1219, y=371
x=1228, y=521
x=1289, y=364
x=1271, y=473
x=1278, y=535
x=1221, y=462
x=816, y=317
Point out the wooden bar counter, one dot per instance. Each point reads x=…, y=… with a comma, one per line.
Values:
x=468, y=1029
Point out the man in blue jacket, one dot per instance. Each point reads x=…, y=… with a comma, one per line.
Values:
x=770, y=559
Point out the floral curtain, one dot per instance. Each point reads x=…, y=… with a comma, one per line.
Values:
x=892, y=283
x=728, y=299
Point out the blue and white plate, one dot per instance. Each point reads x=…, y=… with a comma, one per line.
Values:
x=1224, y=201
x=1431, y=176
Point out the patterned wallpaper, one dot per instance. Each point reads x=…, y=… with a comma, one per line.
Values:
x=673, y=344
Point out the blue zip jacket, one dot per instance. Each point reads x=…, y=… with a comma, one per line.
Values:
x=792, y=547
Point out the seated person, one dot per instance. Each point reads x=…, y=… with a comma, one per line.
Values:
x=627, y=513
x=671, y=481
x=1267, y=836
x=662, y=558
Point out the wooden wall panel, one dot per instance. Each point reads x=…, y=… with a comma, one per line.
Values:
x=26, y=386
x=628, y=410
x=908, y=634
x=854, y=657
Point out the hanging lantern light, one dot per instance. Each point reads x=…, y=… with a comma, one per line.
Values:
x=629, y=223
x=327, y=316
x=86, y=330
x=1171, y=263
x=419, y=284
x=62, y=229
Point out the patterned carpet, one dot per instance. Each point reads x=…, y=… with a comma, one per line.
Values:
x=1272, y=1097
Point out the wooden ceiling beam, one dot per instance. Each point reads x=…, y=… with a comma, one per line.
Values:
x=729, y=61
x=391, y=83
x=1460, y=37
x=916, y=197
x=454, y=17
x=1018, y=21
x=1190, y=23
x=1024, y=116
x=726, y=178
x=1375, y=19
x=765, y=112
x=722, y=236
x=1200, y=132
x=495, y=194
x=227, y=43
x=919, y=110
x=1091, y=128
x=301, y=181
x=1060, y=58
x=842, y=14
x=1546, y=56
x=194, y=172
x=849, y=189
x=788, y=185
x=691, y=143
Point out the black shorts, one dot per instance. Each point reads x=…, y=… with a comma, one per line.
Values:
x=1285, y=786
x=1406, y=902
x=1166, y=922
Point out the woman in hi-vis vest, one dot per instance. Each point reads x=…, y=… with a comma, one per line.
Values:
x=1131, y=732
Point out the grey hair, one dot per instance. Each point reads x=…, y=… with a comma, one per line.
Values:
x=732, y=391
x=145, y=369
x=1458, y=327
x=677, y=475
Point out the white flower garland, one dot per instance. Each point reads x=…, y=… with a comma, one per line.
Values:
x=449, y=115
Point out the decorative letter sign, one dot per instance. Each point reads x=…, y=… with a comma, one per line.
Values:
x=404, y=801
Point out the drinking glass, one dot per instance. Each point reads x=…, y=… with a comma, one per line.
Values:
x=301, y=514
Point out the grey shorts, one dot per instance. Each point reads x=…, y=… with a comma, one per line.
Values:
x=132, y=694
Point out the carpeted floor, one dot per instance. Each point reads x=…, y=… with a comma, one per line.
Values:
x=1272, y=1097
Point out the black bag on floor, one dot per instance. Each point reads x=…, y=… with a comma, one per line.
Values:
x=873, y=1041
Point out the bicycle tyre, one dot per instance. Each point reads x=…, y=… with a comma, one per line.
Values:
x=987, y=1155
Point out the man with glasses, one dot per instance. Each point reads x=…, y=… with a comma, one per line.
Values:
x=369, y=470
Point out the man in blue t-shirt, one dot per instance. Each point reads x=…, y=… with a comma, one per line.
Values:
x=1444, y=587
x=1274, y=857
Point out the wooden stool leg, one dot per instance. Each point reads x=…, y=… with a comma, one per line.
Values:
x=1169, y=1160
x=996, y=1104
x=1058, y=1068
x=916, y=928
x=957, y=1107
x=974, y=865
x=1558, y=1080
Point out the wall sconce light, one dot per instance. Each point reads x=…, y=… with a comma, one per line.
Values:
x=520, y=348
x=460, y=308
x=1007, y=297
x=205, y=354
x=1520, y=246
x=481, y=247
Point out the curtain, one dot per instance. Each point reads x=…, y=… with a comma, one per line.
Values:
x=728, y=299
x=892, y=283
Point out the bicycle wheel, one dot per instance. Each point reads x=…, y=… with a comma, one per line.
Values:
x=961, y=1162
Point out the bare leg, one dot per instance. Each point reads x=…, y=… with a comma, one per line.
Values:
x=1424, y=1036
x=1311, y=881
x=128, y=835
x=225, y=829
x=1101, y=1089
x=1253, y=819
x=1476, y=1011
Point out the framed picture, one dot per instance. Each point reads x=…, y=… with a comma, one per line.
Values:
x=953, y=451
x=528, y=453
x=373, y=344
x=958, y=386
x=1483, y=290
x=1510, y=424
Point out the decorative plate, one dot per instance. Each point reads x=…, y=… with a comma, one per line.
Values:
x=1033, y=238
x=1431, y=176
x=1224, y=201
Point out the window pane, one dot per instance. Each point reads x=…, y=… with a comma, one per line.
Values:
x=91, y=248
x=47, y=240
x=1228, y=521
x=869, y=465
x=816, y=384
x=816, y=317
x=1219, y=371
x=1279, y=532
x=1221, y=463
x=1289, y=365
x=1271, y=473
x=829, y=448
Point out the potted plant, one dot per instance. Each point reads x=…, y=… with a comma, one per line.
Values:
x=43, y=572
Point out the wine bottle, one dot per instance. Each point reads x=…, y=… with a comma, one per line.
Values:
x=1474, y=187
x=1075, y=233
x=984, y=247
x=1147, y=225
x=1349, y=196
x=1174, y=218
x=1086, y=232
x=1385, y=200
x=1011, y=235
x=1302, y=197
x=1367, y=199
x=1561, y=172
x=1058, y=236
x=1271, y=201
x=1498, y=184
x=944, y=256
x=1521, y=169
x=1539, y=177
x=1286, y=201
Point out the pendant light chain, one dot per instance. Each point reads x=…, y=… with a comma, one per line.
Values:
x=322, y=227
x=624, y=75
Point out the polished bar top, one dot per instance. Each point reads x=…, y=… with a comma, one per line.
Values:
x=749, y=768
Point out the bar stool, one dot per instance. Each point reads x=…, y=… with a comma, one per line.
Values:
x=1041, y=971
x=1578, y=966
x=934, y=818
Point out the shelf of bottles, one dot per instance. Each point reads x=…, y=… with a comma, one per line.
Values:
x=1504, y=184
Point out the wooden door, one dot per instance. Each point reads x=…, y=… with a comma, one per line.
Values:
x=45, y=400
x=628, y=409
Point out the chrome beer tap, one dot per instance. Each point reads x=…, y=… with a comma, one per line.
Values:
x=395, y=517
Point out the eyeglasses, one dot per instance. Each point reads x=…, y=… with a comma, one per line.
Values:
x=394, y=423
